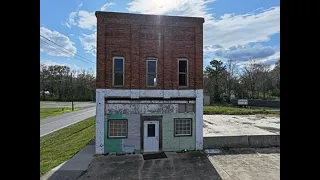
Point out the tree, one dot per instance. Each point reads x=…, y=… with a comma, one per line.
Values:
x=264, y=82
x=231, y=68
x=252, y=81
x=250, y=76
x=214, y=72
x=275, y=76
x=57, y=80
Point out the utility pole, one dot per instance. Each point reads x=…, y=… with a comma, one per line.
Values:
x=72, y=93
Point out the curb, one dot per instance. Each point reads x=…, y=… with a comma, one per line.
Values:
x=246, y=141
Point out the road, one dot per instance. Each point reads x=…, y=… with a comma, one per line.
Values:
x=55, y=123
x=52, y=104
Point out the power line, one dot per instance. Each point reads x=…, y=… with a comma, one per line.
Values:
x=63, y=51
x=66, y=49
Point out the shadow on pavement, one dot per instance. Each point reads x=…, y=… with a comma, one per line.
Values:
x=74, y=167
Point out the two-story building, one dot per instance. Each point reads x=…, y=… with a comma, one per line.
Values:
x=149, y=92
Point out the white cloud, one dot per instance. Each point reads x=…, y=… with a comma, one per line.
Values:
x=227, y=31
x=240, y=52
x=53, y=63
x=80, y=5
x=67, y=24
x=272, y=66
x=89, y=42
x=87, y=20
x=105, y=6
x=72, y=15
x=270, y=59
x=233, y=30
x=82, y=19
x=67, y=48
x=169, y=7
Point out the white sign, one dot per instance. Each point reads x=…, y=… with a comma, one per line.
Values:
x=242, y=102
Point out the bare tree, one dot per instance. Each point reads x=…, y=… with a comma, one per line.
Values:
x=232, y=70
x=255, y=80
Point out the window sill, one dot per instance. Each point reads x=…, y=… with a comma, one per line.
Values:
x=119, y=137
x=186, y=135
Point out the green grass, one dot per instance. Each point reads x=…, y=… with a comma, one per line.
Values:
x=237, y=110
x=59, y=146
x=49, y=112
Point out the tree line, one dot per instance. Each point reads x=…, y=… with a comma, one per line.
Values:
x=222, y=82
x=59, y=83
x=255, y=80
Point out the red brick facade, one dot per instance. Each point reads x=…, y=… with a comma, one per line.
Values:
x=137, y=37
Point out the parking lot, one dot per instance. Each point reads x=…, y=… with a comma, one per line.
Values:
x=239, y=164
x=237, y=125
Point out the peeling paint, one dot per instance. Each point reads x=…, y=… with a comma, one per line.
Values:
x=129, y=144
x=191, y=93
x=199, y=120
x=141, y=108
x=132, y=109
x=172, y=143
x=100, y=122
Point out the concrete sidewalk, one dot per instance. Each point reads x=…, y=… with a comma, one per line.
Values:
x=74, y=167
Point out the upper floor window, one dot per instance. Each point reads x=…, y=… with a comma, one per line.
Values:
x=183, y=72
x=151, y=72
x=118, y=71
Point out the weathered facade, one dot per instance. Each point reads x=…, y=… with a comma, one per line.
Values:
x=149, y=83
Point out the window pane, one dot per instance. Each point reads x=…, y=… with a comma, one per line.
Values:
x=118, y=128
x=182, y=126
x=183, y=66
x=182, y=80
x=118, y=65
x=151, y=80
x=152, y=66
x=118, y=79
x=151, y=130
x=190, y=108
x=182, y=108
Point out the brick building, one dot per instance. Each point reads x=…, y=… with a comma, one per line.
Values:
x=149, y=83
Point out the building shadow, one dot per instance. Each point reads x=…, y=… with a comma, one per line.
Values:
x=74, y=167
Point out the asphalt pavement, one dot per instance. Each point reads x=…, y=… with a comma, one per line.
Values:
x=55, y=123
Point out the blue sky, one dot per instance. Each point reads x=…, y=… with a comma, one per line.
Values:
x=233, y=29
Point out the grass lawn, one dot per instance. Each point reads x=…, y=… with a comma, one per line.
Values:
x=57, y=147
x=237, y=110
x=48, y=112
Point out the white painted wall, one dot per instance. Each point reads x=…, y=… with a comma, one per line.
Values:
x=199, y=119
x=101, y=94
x=100, y=122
